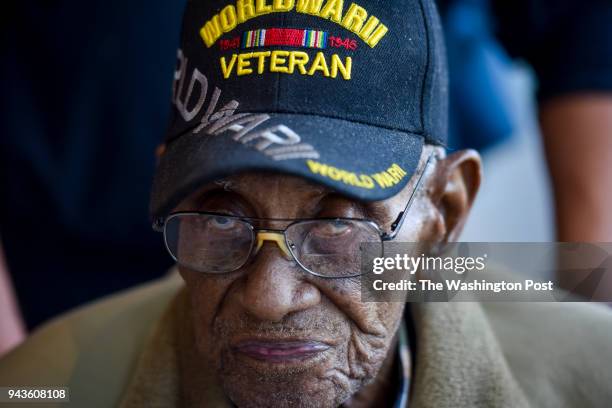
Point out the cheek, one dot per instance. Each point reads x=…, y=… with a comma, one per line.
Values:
x=372, y=330
x=376, y=319
x=206, y=294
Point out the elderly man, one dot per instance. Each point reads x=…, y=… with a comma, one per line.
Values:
x=301, y=130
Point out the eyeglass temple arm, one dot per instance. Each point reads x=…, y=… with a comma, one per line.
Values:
x=399, y=221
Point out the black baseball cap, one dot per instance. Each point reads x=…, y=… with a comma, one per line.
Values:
x=344, y=94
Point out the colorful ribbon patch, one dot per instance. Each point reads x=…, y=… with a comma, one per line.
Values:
x=284, y=36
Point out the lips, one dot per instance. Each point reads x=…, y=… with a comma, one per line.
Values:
x=280, y=351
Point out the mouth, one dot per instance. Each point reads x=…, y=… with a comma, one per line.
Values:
x=273, y=351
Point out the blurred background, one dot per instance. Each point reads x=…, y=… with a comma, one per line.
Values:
x=513, y=171
x=85, y=97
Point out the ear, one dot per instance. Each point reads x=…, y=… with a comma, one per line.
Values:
x=455, y=186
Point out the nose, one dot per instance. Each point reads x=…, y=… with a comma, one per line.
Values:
x=273, y=287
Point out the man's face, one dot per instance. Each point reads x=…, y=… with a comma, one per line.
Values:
x=275, y=334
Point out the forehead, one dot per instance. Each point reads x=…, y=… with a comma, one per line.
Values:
x=279, y=195
x=263, y=183
x=267, y=189
x=280, y=187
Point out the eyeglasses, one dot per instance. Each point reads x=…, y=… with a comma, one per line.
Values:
x=218, y=243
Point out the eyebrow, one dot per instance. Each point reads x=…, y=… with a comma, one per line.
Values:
x=203, y=196
x=378, y=212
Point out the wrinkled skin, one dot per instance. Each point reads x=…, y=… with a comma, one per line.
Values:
x=271, y=298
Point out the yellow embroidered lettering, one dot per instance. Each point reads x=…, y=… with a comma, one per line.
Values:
x=277, y=62
x=334, y=174
x=378, y=34
x=368, y=28
x=261, y=60
x=319, y=64
x=345, y=176
x=287, y=62
x=282, y=5
x=228, y=18
x=217, y=25
x=245, y=10
x=333, y=10
x=213, y=31
x=208, y=40
x=243, y=65
x=298, y=59
x=350, y=178
x=309, y=6
x=392, y=171
x=354, y=18
x=399, y=170
x=227, y=70
x=366, y=182
x=383, y=179
x=317, y=168
x=345, y=69
x=262, y=8
x=396, y=177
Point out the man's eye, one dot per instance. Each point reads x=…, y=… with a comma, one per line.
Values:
x=332, y=229
x=222, y=223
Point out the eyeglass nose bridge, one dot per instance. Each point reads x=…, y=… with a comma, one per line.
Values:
x=272, y=236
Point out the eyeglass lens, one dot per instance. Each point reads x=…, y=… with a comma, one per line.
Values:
x=218, y=244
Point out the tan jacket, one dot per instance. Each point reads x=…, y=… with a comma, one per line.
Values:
x=119, y=352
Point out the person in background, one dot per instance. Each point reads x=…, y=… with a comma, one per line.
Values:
x=569, y=45
x=84, y=91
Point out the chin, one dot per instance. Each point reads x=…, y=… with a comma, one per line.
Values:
x=301, y=393
x=312, y=382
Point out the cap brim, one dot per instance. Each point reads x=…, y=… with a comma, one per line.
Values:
x=364, y=162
